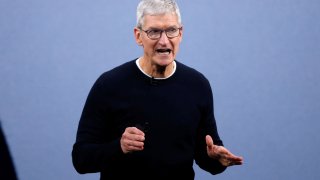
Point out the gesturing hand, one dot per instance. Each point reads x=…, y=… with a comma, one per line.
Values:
x=222, y=154
x=132, y=140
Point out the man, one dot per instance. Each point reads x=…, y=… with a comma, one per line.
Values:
x=151, y=117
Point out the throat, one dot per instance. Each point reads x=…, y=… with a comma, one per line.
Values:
x=159, y=71
x=156, y=71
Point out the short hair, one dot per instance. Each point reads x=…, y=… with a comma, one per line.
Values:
x=156, y=7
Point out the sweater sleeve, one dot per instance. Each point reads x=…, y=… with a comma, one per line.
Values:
x=96, y=147
x=208, y=126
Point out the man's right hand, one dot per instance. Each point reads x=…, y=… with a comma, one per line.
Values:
x=132, y=140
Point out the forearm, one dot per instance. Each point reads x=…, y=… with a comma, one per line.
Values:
x=91, y=157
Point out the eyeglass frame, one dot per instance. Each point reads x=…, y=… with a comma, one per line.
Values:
x=161, y=32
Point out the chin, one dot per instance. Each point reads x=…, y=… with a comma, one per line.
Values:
x=164, y=61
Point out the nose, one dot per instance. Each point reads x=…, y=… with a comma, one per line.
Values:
x=163, y=38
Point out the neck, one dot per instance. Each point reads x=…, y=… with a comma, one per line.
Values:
x=155, y=70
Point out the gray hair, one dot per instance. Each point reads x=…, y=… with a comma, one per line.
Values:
x=156, y=7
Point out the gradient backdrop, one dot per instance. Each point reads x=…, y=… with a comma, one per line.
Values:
x=261, y=57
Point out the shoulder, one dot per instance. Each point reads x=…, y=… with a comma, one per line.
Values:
x=190, y=73
x=111, y=81
x=115, y=77
x=194, y=82
x=119, y=72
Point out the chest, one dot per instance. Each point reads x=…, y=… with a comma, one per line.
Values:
x=157, y=109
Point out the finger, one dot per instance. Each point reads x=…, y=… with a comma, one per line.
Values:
x=134, y=148
x=231, y=163
x=134, y=130
x=128, y=149
x=227, y=158
x=209, y=141
x=139, y=138
x=134, y=144
x=129, y=145
x=235, y=160
x=135, y=137
x=227, y=154
x=231, y=156
x=132, y=139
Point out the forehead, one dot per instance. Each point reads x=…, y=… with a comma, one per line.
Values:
x=161, y=20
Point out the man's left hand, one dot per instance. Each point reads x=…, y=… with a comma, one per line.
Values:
x=225, y=157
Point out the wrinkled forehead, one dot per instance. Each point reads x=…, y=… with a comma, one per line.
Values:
x=163, y=20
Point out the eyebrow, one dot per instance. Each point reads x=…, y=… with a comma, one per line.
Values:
x=154, y=28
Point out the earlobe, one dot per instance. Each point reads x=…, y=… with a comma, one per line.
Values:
x=139, y=42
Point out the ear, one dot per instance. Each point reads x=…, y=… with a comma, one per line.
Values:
x=137, y=35
x=181, y=33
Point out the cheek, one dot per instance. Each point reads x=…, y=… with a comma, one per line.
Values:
x=176, y=47
x=149, y=47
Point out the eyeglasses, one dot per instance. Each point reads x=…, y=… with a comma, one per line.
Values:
x=155, y=34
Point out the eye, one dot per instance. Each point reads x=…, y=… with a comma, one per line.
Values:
x=171, y=30
x=154, y=31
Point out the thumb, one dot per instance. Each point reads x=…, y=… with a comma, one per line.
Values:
x=209, y=141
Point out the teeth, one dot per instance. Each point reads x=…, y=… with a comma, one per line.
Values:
x=163, y=51
x=166, y=52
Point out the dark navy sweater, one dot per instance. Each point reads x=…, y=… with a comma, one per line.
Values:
x=175, y=113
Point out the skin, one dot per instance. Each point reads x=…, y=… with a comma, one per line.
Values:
x=221, y=153
x=161, y=65
x=153, y=63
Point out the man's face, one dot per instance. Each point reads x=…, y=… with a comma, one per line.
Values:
x=161, y=51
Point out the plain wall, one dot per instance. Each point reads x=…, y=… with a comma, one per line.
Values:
x=261, y=58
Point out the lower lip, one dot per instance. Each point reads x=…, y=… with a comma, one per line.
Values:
x=163, y=54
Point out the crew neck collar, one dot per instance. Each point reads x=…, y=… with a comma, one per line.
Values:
x=174, y=69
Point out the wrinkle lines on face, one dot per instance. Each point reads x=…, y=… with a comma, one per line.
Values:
x=159, y=53
x=163, y=50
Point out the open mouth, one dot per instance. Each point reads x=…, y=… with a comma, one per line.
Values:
x=164, y=51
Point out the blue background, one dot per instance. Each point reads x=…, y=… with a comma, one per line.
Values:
x=261, y=57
